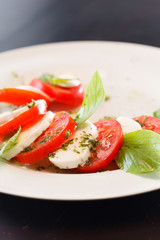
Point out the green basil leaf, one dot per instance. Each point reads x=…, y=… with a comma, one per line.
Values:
x=94, y=96
x=9, y=143
x=57, y=80
x=48, y=78
x=32, y=104
x=157, y=113
x=140, y=152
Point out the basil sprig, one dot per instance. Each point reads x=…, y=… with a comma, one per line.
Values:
x=94, y=96
x=140, y=152
x=9, y=143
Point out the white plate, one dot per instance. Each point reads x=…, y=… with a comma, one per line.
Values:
x=131, y=76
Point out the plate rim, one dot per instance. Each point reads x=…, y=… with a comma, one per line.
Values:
x=132, y=44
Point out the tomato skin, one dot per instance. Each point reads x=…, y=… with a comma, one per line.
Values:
x=72, y=96
x=61, y=123
x=20, y=96
x=31, y=115
x=110, y=140
x=149, y=123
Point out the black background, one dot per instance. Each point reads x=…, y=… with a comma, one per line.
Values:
x=24, y=23
x=31, y=22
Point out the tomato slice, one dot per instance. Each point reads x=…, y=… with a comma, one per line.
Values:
x=24, y=118
x=20, y=96
x=72, y=96
x=149, y=123
x=50, y=140
x=110, y=140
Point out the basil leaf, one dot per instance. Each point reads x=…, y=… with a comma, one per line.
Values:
x=157, y=113
x=140, y=152
x=32, y=104
x=48, y=78
x=57, y=80
x=94, y=96
x=10, y=143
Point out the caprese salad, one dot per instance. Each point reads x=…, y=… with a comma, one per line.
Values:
x=30, y=133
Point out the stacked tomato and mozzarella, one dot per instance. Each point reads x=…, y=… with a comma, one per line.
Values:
x=89, y=148
x=43, y=132
x=86, y=148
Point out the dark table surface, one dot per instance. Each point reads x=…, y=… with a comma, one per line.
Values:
x=24, y=23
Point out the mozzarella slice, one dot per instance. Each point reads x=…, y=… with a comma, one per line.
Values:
x=78, y=150
x=33, y=89
x=9, y=115
x=73, y=80
x=29, y=135
x=128, y=125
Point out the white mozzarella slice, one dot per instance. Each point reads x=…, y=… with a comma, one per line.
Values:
x=75, y=154
x=30, y=135
x=9, y=115
x=128, y=125
x=33, y=89
x=73, y=80
x=42, y=105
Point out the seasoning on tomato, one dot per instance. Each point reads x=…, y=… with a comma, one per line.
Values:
x=109, y=142
x=149, y=123
x=50, y=140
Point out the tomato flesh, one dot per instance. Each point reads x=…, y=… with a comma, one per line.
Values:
x=50, y=140
x=149, y=123
x=31, y=115
x=20, y=96
x=110, y=140
x=72, y=96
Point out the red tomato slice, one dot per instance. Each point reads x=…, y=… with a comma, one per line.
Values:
x=24, y=118
x=50, y=140
x=149, y=123
x=72, y=96
x=20, y=96
x=110, y=140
